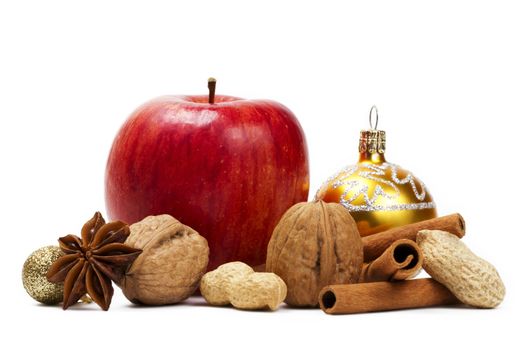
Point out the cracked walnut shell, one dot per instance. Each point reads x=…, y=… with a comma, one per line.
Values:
x=173, y=260
x=313, y=245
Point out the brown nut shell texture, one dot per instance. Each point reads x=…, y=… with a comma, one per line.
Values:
x=236, y=283
x=449, y=261
x=313, y=245
x=173, y=260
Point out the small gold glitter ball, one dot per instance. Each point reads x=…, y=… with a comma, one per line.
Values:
x=34, y=276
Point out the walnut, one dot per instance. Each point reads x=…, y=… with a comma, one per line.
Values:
x=314, y=245
x=173, y=260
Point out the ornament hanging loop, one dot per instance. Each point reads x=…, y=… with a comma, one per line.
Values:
x=376, y=114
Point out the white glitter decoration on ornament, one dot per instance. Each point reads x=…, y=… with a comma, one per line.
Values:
x=370, y=172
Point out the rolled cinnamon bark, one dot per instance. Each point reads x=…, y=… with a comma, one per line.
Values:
x=374, y=245
x=383, y=296
x=401, y=260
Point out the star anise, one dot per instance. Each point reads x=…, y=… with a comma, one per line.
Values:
x=93, y=261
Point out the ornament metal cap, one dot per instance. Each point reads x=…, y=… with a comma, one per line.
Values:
x=372, y=140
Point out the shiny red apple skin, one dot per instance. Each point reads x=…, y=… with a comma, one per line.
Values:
x=229, y=170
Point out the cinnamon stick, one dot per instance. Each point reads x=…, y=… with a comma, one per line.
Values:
x=374, y=245
x=401, y=260
x=383, y=296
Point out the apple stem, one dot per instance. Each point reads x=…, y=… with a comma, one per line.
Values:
x=211, y=86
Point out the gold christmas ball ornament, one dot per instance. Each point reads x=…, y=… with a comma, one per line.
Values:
x=34, y=276
x=379, y=195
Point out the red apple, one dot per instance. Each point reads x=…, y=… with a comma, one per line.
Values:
x=229, y=169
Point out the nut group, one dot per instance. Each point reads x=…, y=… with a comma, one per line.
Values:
x=236, y=283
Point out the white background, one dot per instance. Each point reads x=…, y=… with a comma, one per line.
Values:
x=448, y=79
